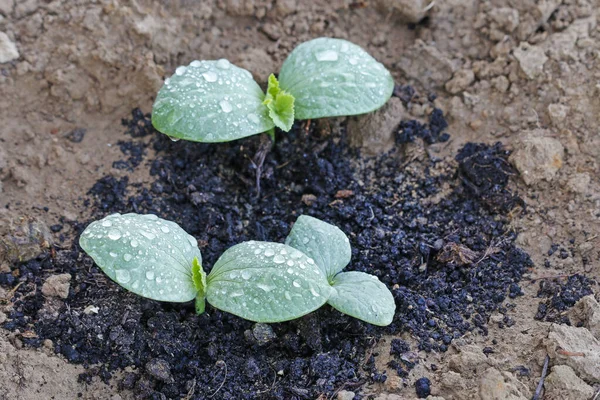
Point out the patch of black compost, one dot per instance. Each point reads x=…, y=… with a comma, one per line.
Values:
x=448, y=259
x=560, y=295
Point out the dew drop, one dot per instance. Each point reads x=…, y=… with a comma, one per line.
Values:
x=210, y=76
x=314, y=292
x=106, y=223
x=135, y=285
x=164, y=229
x=290, y=263
x=327, y=55
x=223, y=64
x=134, y=243
x=246, y=275
x=344, y=47
x=269, y=252
x=148, y=235
x=290, y=271
x=287, y=295
x=353, y=61
x=127, y=257
x=149, y=275
x=122, y=275
x=257, y=251
x=180, y=70
x=114, y=234
x=305, y=240
x=264, y=287
x=283, y=251
x=278, y=259
x=310, y=261
x=236, y=294
x=158, y=279
x=195, y=63
x=225, y=106
x=296, y=284
x=174, y=139
x=253, y=118
x=113, y=254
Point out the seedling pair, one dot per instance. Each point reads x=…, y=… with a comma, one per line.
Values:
x=216, y=101
x=258, y=281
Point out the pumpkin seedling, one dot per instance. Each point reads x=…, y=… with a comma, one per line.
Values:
x=216, y=101
x=258, y=281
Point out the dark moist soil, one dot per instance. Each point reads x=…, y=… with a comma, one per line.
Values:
x=435, y=232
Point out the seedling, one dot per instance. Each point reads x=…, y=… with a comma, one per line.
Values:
x=216, y=101
x=258, y=281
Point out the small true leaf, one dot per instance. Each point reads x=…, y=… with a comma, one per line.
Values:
x=280, y=104
x=144, y=254
x=333, y=77
x=326, y=243
x=210, y=101
x=266, y=282
x=363, y=296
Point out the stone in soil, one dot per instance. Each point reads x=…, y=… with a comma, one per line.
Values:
x=374, y=133
x=577, y=348
x=586, y=313
x=8, y=49
x=563, y=383
x=57, y=286
x=496, y=385
x=537, y=156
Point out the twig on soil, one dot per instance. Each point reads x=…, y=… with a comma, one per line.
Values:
x=222, y=383
x=567, y=353
x=190, y=393
x=11, y=293
x=538, y=390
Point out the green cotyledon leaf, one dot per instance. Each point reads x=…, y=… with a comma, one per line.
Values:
x=280, y=105
x=210, y=101
x=333, y=77
x=144, y=254
x=266, y=282
x=325, y=243
x=362, y=296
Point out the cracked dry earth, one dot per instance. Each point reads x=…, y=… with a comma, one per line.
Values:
x=524, y=73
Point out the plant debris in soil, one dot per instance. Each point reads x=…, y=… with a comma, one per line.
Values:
x=561, y=294
x=420, y=226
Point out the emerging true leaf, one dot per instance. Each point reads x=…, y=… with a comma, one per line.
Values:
x=333, y=77
x=326, y=243
x=199, y=278
x=146, y=255
x=280, y=104
x=266, y=282
x=364, y=297
x=210, y=101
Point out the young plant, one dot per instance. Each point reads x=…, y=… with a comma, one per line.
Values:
x=215, y=101
x=258, y=281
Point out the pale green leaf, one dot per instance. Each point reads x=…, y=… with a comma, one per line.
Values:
x=210, y=101
x=144, y=254
x=362, y=296
x=325, y=243
x=266, y=282
x=333, y=77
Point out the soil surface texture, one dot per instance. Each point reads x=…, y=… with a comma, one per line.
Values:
x=474, y=195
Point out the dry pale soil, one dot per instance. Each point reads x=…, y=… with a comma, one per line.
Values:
x=526, y=73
